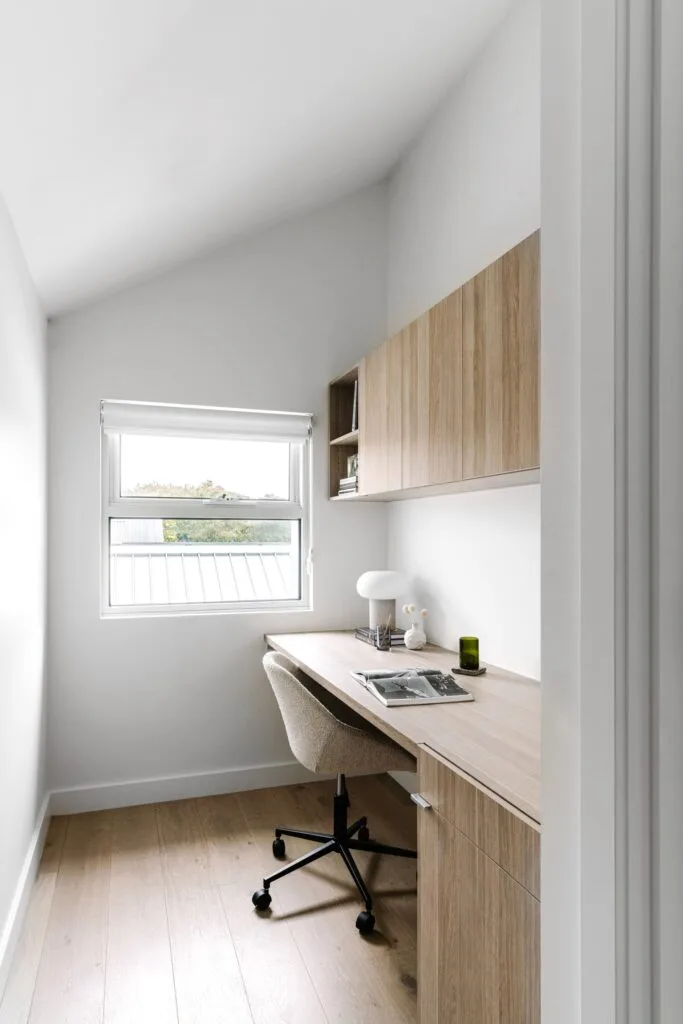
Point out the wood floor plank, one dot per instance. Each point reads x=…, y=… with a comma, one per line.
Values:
x=15, y=1005
x=184, y=851
x=150, y=918
x=70, y=983
x=356, y=979
x=229, y=844
x=278, y=985
x=54, y=845
x=392, y=880
x=139, y=974
x=208, y=980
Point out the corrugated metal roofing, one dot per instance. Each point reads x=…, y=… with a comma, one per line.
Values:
x=202, y=573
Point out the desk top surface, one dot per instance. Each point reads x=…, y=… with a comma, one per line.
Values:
x=496, y=739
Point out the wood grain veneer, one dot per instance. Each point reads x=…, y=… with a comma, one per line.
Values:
x=415, y=413
x=500, y=375
x=431, y=414
x=483, y=935
x=70, y=981
x=380, y=426
x=479, y=923
x=445, y=390
x=429, y=915
x=152, y=921
x=508, y=837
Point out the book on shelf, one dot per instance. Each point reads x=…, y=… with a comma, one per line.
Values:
x=348, y=485
x=354, y=411
x=412, y=686
x=368, y=636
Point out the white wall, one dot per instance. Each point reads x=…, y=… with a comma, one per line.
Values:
x=468, y=191
x=265, y=323
x=22, y=567
x=668, y=600
x=474, y=560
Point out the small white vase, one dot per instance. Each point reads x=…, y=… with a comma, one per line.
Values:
x=415, y=638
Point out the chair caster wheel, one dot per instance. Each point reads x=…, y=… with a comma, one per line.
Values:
x=278, y=848
x=365, y=922
x=261, y=899
x=364, y=833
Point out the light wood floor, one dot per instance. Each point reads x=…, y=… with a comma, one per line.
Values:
x=143, y=916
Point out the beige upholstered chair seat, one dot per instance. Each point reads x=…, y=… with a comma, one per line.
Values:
x=324, y=734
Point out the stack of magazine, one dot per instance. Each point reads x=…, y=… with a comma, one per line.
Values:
x=412, y=686
x=369, y=636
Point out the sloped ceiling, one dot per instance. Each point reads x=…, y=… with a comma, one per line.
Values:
x=137, y=133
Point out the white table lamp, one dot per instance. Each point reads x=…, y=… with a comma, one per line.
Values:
x=381, y=588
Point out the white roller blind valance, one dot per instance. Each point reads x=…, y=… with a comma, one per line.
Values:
x=200, y=421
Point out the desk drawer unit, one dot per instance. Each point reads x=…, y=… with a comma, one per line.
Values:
x=479, y=911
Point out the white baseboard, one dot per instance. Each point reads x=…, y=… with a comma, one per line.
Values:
x=17, y=911
x=176, y=787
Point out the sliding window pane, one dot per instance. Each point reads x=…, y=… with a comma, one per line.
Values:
x=203, y=561
x=205, y=468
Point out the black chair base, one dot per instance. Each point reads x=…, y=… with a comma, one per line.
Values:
x=342, y=840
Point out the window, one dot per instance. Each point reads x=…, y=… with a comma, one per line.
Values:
x=203, y=509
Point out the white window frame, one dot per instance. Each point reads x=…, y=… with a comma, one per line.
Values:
x=297, y=509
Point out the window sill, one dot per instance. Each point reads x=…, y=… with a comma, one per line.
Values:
x=184, y=611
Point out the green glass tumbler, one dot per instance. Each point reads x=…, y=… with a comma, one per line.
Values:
x=469, y=653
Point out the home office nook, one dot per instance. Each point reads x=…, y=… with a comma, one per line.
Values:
x=288, y=472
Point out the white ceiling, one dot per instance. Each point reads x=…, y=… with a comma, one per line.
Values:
x=137, y=133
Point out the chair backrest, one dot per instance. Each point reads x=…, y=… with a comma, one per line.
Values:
x=324, y=733
x=309, y=724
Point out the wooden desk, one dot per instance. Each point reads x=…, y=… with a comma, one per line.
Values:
x=479, y=836
x=495, y=740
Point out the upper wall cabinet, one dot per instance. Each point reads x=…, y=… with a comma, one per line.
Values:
x=380, y=427
x=454, y=395
x=432, y=408
x=500, y=329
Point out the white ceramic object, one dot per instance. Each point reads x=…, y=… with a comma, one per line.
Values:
x=415, y=638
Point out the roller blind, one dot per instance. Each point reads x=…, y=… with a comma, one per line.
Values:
x=200, y=421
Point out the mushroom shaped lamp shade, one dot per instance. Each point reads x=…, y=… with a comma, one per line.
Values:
x=381, y=588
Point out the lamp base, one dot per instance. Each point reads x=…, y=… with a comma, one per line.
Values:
x=382, y=613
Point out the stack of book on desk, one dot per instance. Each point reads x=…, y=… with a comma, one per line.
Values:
x=369, y=636
x=348, y=485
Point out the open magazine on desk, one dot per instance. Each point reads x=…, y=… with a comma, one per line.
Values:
x=412, y=686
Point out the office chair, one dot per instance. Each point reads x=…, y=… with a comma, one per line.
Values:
x=327, y=736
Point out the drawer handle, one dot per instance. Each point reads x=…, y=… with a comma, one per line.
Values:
x=418, y=799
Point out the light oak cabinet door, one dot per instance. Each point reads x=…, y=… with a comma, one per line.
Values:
x=478, y=922
x=500, y=378
x=432, y=408
x=479, y=934
x=380, y=430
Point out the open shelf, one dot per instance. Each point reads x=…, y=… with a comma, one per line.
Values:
x=519, y=478
x=343, y=431
x=350, y=438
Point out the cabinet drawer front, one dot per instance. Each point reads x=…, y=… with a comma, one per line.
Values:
x=505, y=835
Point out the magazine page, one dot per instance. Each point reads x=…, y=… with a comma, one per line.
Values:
x=402, y=686
x=411, y=685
